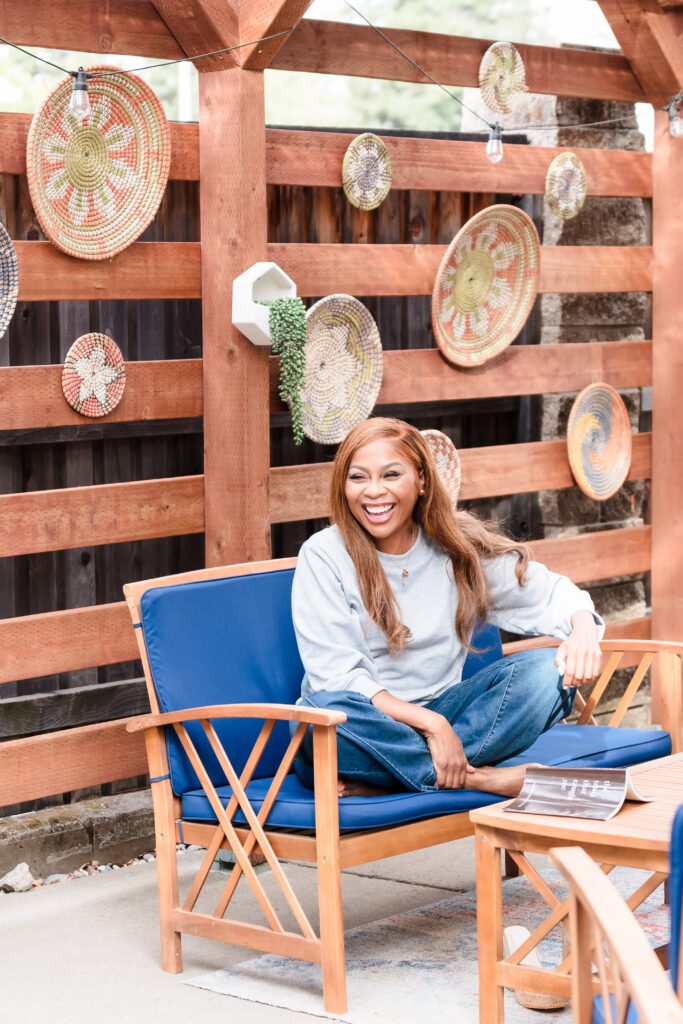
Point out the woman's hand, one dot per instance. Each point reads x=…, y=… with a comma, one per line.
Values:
x=579, y=657
x=447, y=753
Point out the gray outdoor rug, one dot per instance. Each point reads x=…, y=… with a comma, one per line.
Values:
x=420, y=965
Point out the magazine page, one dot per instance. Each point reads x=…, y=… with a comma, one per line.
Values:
x=577, y=793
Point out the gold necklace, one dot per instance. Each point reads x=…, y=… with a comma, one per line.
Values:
x=405, y=572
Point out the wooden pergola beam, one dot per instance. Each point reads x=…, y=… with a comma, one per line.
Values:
x=200, y=26
x=649, y=37
x=260, y=18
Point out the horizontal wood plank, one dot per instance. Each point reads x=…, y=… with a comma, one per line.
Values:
x=61, y=762
x=172, y=270
x=103, y=514
x=64, y=641
x=597, y=556
x=145, y=270
x=301, y=492
x=31, y=396
x=315, y=158
x=66, y=709
x=323, y=269
x=422, y=375
x=118, y=27
x=331, y=48
x=14, y=133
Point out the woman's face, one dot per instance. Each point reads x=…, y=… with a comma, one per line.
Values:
x=382, y=488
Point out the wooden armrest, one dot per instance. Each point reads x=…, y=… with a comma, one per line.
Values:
x=613, y=644
x=644, y=977
x=280, y=712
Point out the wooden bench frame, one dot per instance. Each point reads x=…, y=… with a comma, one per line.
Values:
x=328, y=849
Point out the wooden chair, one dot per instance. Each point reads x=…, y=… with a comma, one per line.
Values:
x=611, y=954
x=223, y=674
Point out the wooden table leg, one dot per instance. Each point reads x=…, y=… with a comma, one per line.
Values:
x=489, y=928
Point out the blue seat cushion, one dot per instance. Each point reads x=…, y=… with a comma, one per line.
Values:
x=563, y=744
x=676, y=893
x=599, y=1011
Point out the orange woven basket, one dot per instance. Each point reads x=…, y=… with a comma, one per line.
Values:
x=599, y=441
x=96, y=185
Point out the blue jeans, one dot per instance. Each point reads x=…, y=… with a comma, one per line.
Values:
x=497, y=713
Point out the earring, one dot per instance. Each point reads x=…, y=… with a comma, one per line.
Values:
x=422, y=491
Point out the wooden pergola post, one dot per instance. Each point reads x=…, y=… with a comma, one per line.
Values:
x=232, y=167
x=667, y=380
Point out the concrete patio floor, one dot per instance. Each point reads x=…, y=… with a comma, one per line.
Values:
x=88, y=949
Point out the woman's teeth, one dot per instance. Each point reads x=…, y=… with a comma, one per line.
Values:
x=378, y=513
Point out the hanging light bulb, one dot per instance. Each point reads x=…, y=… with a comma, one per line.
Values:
x=79, y=104
x=494, y=147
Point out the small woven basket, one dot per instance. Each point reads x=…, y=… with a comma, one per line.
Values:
x=566, y=186
x=9, y=279
x=447, y=461
x=96, y=185
x=599, y=441
x=94, y=375
x=366, y=172
x=501, y=77
x=343, y=371
x=486, y=285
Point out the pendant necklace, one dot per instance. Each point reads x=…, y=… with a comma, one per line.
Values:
x=405, y=572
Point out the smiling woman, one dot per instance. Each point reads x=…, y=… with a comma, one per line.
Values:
x=385, y=603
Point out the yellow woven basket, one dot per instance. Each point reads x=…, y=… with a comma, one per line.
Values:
x=486, y=285
x=366, y=172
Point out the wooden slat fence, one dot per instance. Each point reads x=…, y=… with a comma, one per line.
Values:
x=85, y=507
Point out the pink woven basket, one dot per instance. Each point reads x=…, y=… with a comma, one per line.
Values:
x=94, y=375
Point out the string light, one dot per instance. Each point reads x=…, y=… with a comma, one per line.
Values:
x=494, y=147
x=79, y=104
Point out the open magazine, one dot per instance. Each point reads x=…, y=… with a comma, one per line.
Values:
x=576, y=792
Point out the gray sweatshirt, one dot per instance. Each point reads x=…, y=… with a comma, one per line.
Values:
x=343, y=649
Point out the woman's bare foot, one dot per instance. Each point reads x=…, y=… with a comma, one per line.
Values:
x=501, y=781
x=350, y=787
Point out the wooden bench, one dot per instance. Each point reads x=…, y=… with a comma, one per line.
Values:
x=223, y=673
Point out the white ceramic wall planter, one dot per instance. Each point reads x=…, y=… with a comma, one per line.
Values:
x=262, y=281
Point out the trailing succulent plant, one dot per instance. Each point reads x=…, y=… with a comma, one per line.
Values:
x=287, y=324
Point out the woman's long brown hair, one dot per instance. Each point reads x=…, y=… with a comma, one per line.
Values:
x=466, y=539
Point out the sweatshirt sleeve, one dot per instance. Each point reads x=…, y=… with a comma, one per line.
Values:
x=544, y=607
x=329, y=632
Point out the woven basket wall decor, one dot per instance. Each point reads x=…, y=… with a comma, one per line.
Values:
x=501, y=77
x=486, y=285
x=366, y=172
x=447, y=461
x=343, y=371
x=94, y=375
x=566, y=186
x=9, y=279
x=96, y=185
x=599, y=441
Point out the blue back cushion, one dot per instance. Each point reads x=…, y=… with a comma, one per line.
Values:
x=230, y=641
x=488, y=648
x=224, y=641
x=676, y=893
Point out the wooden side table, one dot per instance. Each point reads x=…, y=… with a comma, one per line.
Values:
x=638, y=837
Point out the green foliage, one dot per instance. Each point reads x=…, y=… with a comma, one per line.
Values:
x=288, y=332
